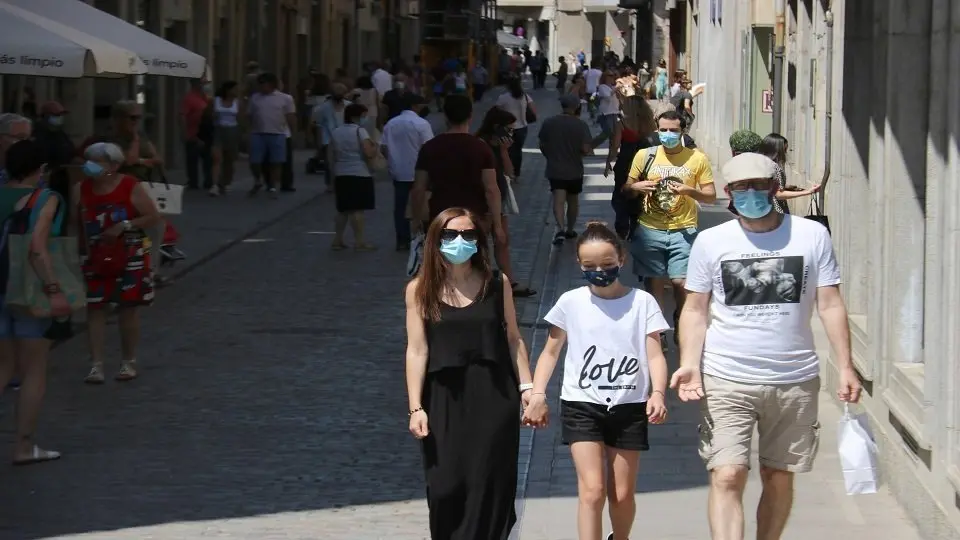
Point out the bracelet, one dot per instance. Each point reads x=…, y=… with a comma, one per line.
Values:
x=414, y=411
x=544, y=394
x=526, y=386
x=51, y=288
x=658, y=392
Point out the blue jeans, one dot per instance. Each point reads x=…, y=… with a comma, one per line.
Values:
x=401, y=225
x=268, y=148
x=661, y=254
x=17, y=326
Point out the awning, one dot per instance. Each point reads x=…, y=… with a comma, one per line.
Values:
x=506, y=39
x=160, y=56
x=36, y=46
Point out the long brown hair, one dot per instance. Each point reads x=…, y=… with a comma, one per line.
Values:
x=432, y=277
x=638, y=115
x=495, y=118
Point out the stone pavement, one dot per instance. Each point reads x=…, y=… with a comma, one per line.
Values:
x=271, y=404
x=671, y=490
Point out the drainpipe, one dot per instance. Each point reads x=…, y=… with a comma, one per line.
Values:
x=828, y=106
x=779, y=32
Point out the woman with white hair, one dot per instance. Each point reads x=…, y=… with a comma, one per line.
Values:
x=116, y=212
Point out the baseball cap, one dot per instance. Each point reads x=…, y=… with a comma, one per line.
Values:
x=569, y=101
x=748, y=166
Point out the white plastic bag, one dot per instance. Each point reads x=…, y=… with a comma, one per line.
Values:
x=167, y=197
x=415, y=259
x=510, y=207
x=858, y=453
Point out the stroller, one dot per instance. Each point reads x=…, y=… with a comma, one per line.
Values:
x=169, y=252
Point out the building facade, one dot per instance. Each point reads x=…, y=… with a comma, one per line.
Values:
x=868, y=109
x=286, y=37
x=640, y=29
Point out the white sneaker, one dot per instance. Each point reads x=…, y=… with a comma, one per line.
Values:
x=214, y=191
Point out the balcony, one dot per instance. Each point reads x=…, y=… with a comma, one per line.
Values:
x=600, y=5
x=524, y=3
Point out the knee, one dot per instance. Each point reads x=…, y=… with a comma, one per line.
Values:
x=729, y=478
x=621, y=495
x=775, y=478
x=591, y=493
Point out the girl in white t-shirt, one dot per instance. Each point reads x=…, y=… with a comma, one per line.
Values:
x=614, y=379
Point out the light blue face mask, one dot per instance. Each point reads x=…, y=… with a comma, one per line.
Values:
x=55, y=121
x=458, y=250
x=669, y=139
x=364, y=121
x=92, y=169
x=752, y=204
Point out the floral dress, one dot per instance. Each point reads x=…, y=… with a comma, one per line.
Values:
x=134, y=284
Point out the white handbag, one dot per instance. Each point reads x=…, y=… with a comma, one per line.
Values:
x=510, y=200
x=168, y=197
x=858, y=453
x=415, y=259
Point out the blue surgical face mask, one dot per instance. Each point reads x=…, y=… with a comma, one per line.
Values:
x=55, y=121
x=752, y=204
x=364, y=121
x=602, y=278
x=458, y=250
x=669, y=139
x=91, y=168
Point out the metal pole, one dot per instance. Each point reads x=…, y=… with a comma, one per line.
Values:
x=779, y=52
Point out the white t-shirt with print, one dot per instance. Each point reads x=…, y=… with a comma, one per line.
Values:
x=606, y=360
x=763, y=289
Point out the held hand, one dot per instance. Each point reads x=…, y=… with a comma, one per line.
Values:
x=644, y=186
x=812, y=190
x=59, y=306
x=113, y=232
x=418, y=424
x=525, y=398
x=679, y=189
x=607, y=168
x=849, y=388
x=688, y=384
x=537, y=412
x=656, y=409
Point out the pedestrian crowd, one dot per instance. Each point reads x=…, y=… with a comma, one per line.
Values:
x=744, y=293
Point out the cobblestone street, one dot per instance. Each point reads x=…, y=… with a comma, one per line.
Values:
x=272, y=403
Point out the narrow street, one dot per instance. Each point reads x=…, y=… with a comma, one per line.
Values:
x=272, y=405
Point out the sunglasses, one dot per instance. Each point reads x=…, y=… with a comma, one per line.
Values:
x=756, y=185
x=470, y=235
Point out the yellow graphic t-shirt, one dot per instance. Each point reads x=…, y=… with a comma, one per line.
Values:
x=663, y=209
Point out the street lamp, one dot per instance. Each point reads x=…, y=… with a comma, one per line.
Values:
x=779, y=32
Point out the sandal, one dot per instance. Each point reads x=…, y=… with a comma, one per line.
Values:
x=96, y=375
x=570, y=233
x=365, y=247
x=37, y=455
x=128, y=371
x=338, y=246
x=558, y=238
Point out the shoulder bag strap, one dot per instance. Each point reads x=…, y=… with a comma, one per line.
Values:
x=651, y=157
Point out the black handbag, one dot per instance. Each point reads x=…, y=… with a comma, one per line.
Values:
x=530, y=116
x=816, y=213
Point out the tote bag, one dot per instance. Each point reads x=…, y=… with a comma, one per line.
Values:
x=25, y=291
x=168, y=197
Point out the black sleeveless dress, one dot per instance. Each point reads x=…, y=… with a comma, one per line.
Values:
x=472, y=401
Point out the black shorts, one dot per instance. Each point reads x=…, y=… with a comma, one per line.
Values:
x=623, y=426
x=572, y=187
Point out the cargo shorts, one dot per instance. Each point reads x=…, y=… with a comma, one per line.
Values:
x=785, y=416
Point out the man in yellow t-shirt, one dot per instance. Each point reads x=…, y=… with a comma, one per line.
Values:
x=676, y=180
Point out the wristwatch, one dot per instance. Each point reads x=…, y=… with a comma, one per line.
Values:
x=126, y=225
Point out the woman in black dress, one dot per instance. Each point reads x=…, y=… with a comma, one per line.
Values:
x=467, y=369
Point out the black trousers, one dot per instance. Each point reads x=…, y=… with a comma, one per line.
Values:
x=199, y=158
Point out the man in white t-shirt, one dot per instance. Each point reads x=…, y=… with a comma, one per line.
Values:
x=752, y=285
x=382, y=80
x=402, y=139
x=591, y=78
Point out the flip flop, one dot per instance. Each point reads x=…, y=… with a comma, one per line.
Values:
x=37, y=455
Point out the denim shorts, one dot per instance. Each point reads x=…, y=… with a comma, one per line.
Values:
x=17, y=326
x=661, y=254
x=268, y=148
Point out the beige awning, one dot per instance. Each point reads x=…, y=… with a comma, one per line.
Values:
x=159, y=56
x=36, y=46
